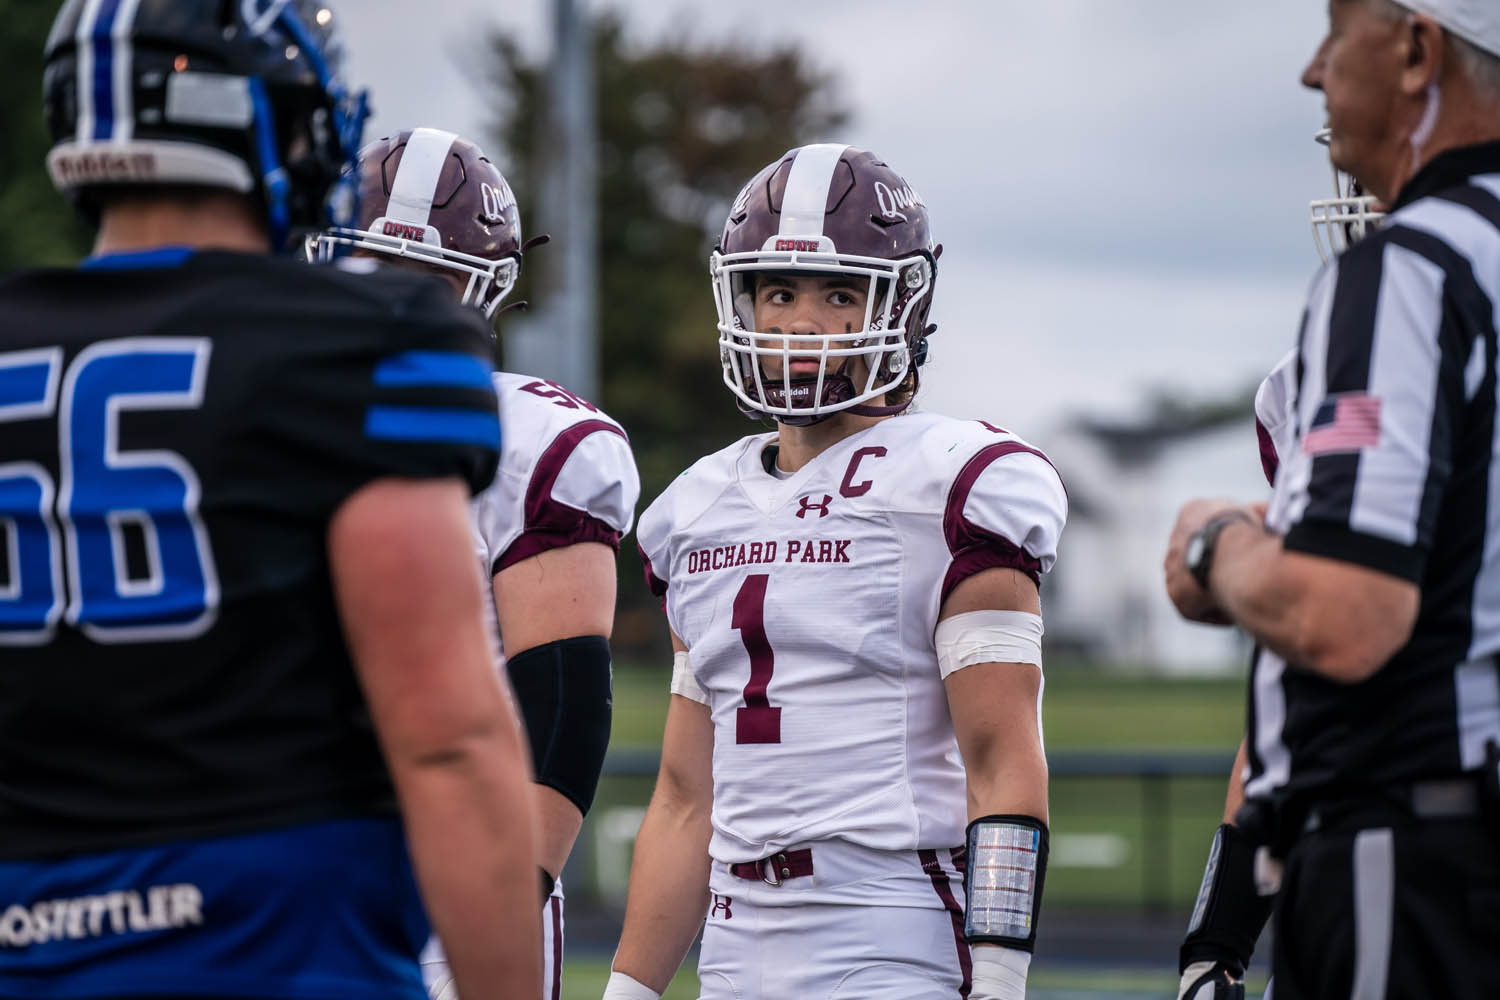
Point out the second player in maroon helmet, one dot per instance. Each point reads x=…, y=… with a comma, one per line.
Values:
x=433, y=197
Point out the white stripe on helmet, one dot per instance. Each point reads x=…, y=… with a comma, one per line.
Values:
x=417, y=175
x=124, y=124
x=806, y=196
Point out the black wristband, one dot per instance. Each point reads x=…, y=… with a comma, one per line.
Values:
x=1229, y=913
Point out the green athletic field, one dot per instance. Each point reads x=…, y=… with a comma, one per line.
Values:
x=584, y=980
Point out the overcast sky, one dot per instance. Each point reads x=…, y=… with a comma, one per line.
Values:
x=1120, y=186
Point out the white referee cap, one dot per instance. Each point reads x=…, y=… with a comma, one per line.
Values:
x=1475, y=21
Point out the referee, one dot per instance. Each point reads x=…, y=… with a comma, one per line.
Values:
x=1372, y=581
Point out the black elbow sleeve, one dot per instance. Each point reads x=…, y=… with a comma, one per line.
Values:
x=564, y=691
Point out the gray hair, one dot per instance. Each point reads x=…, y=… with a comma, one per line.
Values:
x=1479, y=67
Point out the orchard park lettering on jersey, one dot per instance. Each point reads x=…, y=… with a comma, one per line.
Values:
x=160, y=907
x=792, y=550
x=812, y=507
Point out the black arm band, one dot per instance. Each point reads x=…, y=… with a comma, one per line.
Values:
x=1005, y=864
x=1229, y=913
x=564, y=691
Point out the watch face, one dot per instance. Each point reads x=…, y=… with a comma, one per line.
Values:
x=1194, y=552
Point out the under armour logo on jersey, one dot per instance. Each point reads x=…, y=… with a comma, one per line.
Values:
x=721, y=903
x=808, y=505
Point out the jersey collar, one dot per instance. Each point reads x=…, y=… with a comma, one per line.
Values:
x=1450, y=168
x=130, y=260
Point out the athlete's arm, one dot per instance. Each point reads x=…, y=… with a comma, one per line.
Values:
x=1335, y=618
x=409, y=599
x=1229, y=912
x=1234, y=796
x=994, y=707
x=669, y=871
x=557, y=594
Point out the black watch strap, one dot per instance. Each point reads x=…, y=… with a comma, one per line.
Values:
x=1208, y=537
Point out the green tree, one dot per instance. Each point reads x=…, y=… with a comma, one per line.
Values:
x=40, y=227
x=681, y=127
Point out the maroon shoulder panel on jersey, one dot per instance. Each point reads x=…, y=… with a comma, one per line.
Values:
x=974, y=548
x=654, y=583
x=551, y=524
x=1269, y=461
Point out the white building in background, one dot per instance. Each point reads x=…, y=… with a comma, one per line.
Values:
x=1105, y=599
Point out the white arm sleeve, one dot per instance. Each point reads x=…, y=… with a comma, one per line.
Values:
x=992, y=637
x=683, y=682
x=622, y=987
x=988, y=637
x=999, y=973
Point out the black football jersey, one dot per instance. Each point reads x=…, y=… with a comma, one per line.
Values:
x=173, y=443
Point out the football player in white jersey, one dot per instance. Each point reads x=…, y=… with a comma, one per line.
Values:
x=1229, y=914
x=854, y=608
x=547, y=529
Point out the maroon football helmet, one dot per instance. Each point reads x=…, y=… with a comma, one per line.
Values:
x=826, y=209
x=434, y=197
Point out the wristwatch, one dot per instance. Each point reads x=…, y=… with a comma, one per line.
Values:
x=1199, y=553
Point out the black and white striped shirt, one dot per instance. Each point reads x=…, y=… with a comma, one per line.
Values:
x=1392, y=467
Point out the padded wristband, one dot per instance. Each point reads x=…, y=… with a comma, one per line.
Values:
x=1229, y=913
x=1004, y=870
x=564, y=691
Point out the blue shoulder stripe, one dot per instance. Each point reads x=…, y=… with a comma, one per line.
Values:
x=432, y=368
x=125, y=260
x=439, y=425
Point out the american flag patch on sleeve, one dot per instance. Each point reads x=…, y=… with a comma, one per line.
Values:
x=1344, y=422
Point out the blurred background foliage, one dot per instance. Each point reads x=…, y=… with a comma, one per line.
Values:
x=39, y=227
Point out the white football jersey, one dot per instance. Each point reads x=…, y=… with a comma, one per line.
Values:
x=808, y=606
x=1276, y=414
x=566, y=475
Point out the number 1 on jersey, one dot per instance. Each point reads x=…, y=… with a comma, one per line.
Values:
x=758, y=721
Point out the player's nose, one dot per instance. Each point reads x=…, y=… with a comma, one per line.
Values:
x=801, y=316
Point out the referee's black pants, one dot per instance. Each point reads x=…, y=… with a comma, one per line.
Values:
x=1409, y=910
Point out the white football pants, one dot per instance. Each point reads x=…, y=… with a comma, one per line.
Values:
x=439, y=982
x=828, y=951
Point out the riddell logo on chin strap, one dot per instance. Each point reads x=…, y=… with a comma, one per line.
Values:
x=807, y=505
